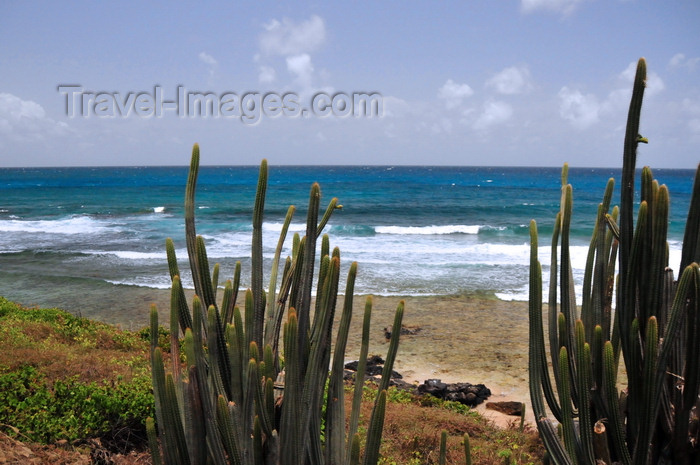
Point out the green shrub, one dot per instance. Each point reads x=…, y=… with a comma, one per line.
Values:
x=69, y=409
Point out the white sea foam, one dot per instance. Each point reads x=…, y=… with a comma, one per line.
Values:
x=277, y=227
x=675, y=253
x=8, y=251
x=233, y=244
x=143, y=281
x=131, y=255
x=429, y=230
x=72, y=225
x=158, y=209
x=513, y=295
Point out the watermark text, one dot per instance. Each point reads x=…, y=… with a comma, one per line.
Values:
x=249, y=107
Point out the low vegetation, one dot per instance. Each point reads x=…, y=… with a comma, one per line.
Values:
x=66, y=379
x=77, y=391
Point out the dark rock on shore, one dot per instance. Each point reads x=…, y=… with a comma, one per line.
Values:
x=375, y=367
x=464, y=393
x=509, y=408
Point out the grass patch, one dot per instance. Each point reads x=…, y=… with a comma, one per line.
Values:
x=414, y=423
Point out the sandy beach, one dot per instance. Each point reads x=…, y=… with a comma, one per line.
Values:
x=474, y=339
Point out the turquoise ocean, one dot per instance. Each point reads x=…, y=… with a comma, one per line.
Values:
x=83, y=238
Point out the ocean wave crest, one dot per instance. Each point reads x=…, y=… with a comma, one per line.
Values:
x=429, y=230
x=72, y=225
x=132, y=254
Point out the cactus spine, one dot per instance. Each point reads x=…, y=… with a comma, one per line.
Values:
x=655, y=327
x=222, y=406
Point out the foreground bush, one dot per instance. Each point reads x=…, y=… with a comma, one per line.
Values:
x=68, y=378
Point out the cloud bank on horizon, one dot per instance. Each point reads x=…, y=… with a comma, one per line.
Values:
x=534, y=83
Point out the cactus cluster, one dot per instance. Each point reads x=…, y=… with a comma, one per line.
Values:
x=654, y=325
x=242, y=396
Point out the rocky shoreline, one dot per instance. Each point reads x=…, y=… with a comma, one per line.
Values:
x=464, y=393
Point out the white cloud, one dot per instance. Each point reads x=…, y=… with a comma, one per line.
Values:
x=207, y=59
x=495, y=112
x=560, y=6
x=580, y=110
x=267, y=74
x=692, y=109
x=289, y=44
x=301, y=68
x=454, y=93
x=395, y=107
x=17, y=109
x=679, y=60
x=618, y=100
x=287, y=37
x=513, y=80
x=26, y=120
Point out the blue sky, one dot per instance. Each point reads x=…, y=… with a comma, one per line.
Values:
x=529, y=82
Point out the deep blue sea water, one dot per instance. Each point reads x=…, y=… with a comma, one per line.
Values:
x=71, y=235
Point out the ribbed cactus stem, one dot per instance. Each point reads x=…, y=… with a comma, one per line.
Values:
x=656, y=327
x=691, y=239
x=332, y=206
x=467, y=450
x=229, y=405
x=393, y=348
x=257, y=258
x=374, y=432
x=360, y=374
x=215, y=280
x=355, y=450
x=610, y=390
x=659, y=258
x=227, y=431
x=190, y=229
x=566, y=407
x=271, y=333
x=553, y=312
x=627, y=195
x=153, y=442
x=335, y=405
x=443, y=447
x=183, y=310
x=584, y=379
x=291, y=432
x=303, y=302
x=649, y=393
x=235, y=285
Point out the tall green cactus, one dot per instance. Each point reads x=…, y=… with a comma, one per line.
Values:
x=655, y=326
x=224, y=405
